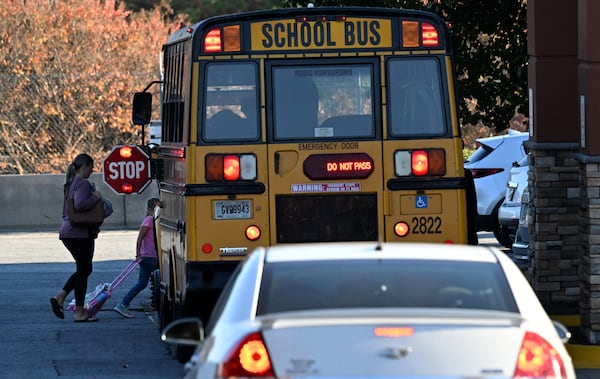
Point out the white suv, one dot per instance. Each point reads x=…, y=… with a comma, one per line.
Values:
x=490, y=165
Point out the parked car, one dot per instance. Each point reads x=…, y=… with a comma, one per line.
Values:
x=372, y=310
x=520, y=248
x=510, y=210
x=490, y=165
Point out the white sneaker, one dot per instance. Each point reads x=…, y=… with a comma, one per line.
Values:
x=122, y=310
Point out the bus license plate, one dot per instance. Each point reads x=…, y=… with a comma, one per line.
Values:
x=232, y=209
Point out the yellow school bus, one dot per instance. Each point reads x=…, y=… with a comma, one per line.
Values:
x=303, y=125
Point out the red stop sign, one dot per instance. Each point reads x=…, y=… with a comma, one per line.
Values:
x=126, y=169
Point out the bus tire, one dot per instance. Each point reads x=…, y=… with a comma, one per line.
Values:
x=164, y=312
x=155, y=289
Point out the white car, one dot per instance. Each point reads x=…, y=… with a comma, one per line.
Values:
x=490, y=165
x=371, y=310
x=510, y=210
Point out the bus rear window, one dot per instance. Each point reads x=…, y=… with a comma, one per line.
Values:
x=320, y=102
x=415, y=102
x=231, y=102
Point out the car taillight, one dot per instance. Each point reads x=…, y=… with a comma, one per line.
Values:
x=250, y=359
x=483, y=172
x=538, y=359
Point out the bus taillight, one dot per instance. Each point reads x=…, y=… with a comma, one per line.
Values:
x=430, y=162
x=230, y=167
x=219, y=40
x=429, y=35
x=419, y=163
x=231, y=38
x=212, y=41
x=419, y=35
x=401, y=229
x=253, y=232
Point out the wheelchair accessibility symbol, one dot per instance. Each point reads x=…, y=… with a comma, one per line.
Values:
x=421, y=201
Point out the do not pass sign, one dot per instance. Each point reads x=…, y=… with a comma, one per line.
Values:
x=126, y=169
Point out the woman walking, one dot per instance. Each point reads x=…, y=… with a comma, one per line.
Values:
x=78, y=239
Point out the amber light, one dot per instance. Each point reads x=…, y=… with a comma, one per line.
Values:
x=419, y=163
x=410, y=34
x=394, y=332
x=401, y=229
x=231, y=38
x=249, y=359
x=253, y=232
x=125, y=152
x=212, y=41
x=437, y=161
x=214, y=167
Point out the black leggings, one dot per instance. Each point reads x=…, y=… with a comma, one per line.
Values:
x=82, y=250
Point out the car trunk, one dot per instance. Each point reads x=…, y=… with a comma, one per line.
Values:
x=355, y=344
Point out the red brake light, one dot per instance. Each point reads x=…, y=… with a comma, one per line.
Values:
x=483, y=172
x=419, y=163
x=538, y=359
x=231, y=167
x=429, y=35
x=212, y=41
x=249, y=359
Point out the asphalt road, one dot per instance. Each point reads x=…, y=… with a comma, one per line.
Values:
x=36, y=344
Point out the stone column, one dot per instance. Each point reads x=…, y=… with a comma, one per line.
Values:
x=589, y=159
x=553, y=176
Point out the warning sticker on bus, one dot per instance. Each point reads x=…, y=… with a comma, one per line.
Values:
x=351, y=33
x=326, y=187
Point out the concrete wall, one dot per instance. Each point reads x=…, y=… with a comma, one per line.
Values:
x=34, y=202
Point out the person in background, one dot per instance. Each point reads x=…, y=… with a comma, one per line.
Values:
x=146, y=250
x=78, y=239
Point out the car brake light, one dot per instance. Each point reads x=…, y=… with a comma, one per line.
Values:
x=249, y=359
x=483, y=172
x=538, y=359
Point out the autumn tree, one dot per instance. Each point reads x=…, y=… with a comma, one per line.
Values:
x=68, y=70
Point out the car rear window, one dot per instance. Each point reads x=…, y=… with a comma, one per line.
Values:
x=383, y=283
x=481, y=152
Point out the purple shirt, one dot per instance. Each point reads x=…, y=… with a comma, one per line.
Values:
x=80, y=190
x=147, y=249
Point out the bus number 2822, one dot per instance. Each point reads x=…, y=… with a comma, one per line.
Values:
x=426, y=225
